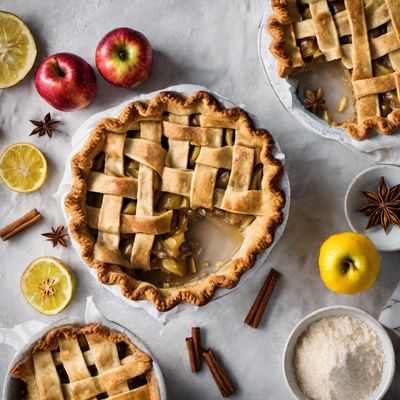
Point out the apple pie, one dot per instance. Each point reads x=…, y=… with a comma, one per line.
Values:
x=144, y=178
x=90, y=362
x=363, y=34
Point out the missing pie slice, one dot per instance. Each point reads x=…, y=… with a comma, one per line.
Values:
x=89, y=362
x=142, y=180
x=364, y=35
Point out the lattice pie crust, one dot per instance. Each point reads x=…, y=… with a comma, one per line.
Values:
x=90, y=362
x=178, y=144
x=363, y=34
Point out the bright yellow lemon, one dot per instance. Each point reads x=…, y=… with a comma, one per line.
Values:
x=17, y=50
x=48, y=285
x=23, y=167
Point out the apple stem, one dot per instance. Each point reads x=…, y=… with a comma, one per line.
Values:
x=59, y=71
x=122, y=55
x=348, y=265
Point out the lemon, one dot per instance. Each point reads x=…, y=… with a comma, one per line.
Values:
x=23, y=167
x=17, y=50
x=48, y=285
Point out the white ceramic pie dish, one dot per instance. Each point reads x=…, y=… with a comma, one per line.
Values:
x=368, y=180
x=10, y=388
x=79, y=138
x=333, y=311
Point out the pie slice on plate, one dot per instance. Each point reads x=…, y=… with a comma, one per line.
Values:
x=142, y=181
x=90, y=362
x=364, y=35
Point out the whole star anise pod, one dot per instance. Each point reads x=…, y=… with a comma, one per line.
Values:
x=314, y=101
x=57, y=236
x=45, y=127
x=383, y=207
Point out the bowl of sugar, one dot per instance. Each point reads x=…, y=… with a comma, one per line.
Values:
x=338, y=352
x=368, y=180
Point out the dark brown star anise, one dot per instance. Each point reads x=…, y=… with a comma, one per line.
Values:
x=314, y=101
x=57, y=236
x=383, y=207
x=45, y=127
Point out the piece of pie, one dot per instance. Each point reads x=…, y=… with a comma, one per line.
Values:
x=89, y=362
x=143, y=179
x=363, y=34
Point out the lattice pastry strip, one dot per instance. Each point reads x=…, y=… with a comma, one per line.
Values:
x=106, y=246
x=178, y=150
x=368, y=105
x=46, y=376
x=143, y=243
x=325, y=30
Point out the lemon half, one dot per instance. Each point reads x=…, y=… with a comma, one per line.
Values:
x=17, y=50
x=48, y=285
x=23, y=167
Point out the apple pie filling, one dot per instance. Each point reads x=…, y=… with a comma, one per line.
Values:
x=174, y=254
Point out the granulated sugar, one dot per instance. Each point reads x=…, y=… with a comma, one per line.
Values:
x=338, y=358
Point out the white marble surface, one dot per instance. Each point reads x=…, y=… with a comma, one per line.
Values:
x=212, y=43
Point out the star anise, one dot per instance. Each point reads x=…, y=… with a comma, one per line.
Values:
x=383, y=207
x=314, y=101
x=57, y=236
x=45, y=127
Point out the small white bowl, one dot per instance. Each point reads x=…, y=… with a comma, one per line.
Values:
x=335, y=311
x=368, y=180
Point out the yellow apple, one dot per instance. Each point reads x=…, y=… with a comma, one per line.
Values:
x=349, y=263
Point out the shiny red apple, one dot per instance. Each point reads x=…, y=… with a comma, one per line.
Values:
x=124, y=57
x=66, y=81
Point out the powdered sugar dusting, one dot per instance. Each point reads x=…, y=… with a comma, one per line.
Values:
x=338, y=358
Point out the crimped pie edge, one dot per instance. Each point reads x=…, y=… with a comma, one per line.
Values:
x=203, y=290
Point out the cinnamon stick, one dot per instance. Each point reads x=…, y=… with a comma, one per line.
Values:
x=220, y=376
x=21, y=224
x=197, y=346
x=256, y=312
x=192, y=355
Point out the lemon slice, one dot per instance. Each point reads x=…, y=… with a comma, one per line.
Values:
x=48, y=285
x=23, y=167
x=17, y=50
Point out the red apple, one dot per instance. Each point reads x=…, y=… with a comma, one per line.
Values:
x=66, y=81
x=124, y=57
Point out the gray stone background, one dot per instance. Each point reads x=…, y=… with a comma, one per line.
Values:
x=211, y=43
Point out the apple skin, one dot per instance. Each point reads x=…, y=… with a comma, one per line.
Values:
x=349, y=263
x=66, y=81
x=124, y=57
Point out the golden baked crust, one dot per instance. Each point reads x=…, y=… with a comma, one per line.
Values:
x=374, y=29
x=61, y=349
x=267, y=203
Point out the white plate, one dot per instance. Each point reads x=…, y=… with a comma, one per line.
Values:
x=387, y=346
x=368, y=180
